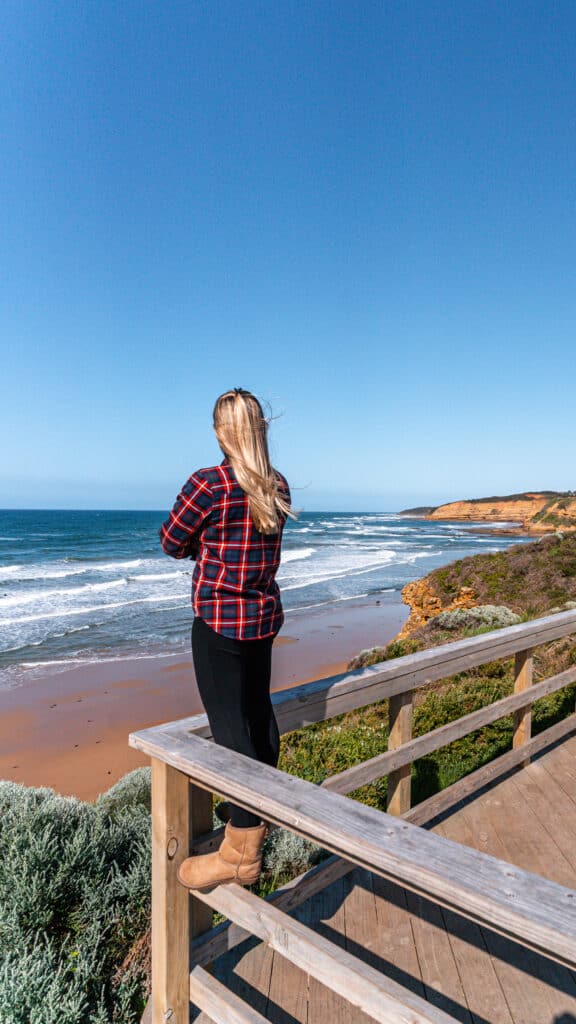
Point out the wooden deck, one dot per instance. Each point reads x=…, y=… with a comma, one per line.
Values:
x=475, y=975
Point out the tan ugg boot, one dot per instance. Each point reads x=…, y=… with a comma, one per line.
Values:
x=239, y=859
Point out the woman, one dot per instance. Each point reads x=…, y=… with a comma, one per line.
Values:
x=230, y=519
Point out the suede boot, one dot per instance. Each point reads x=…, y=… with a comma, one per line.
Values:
x=239, y=859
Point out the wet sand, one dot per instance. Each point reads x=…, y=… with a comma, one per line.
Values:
x=69, y=731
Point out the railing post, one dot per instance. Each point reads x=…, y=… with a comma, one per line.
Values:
x=400, y=732
x=170, y=901
x=523, y=678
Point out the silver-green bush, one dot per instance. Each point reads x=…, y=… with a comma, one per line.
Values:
x=74, y=899
x=489, y=616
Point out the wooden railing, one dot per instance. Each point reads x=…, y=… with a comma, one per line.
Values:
x=187, y=769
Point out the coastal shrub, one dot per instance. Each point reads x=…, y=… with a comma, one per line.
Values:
x=487, y=616
x=74, y=899
x=527, y=578
x=286, y=854
x=132, y=790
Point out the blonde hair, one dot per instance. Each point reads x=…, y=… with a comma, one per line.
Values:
x=241, y=429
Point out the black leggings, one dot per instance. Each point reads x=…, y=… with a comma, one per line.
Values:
x=233, y=678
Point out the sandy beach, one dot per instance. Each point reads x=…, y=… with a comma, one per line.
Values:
x=69, y=731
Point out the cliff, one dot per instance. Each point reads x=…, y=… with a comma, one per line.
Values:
x=530, y=579
x=538, y=512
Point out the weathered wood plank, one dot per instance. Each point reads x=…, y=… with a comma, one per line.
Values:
x=522, y=836
x=565, y=766
x=535, y=911
x=447, y=798
x=535, y=988
x=521, y=993
x=220, y=1004
x=442, y=982
x=170, y=902
x=396, y=942
x=555, y=811
x=399, y=735
x=360, y=984
x=327, y=916
x=523, y=680
x=246, y=971
x=228, y=934
x=288, y=992
x=393, y=760
x=325, y=698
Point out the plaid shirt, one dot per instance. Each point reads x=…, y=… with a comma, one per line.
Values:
x=233, y=586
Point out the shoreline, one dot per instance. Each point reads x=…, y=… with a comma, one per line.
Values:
x=69, y=730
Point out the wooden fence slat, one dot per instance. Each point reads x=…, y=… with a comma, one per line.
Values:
x=364, y=987
x=399, y=735
x=394, y=759
x=536, y=912
x=220, y=1004
x=523, y=679
x=170, y=902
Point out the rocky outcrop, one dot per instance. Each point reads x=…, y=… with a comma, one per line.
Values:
x=537, y=512
x=424, y=602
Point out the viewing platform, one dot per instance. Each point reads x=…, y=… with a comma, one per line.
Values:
x=461, y=908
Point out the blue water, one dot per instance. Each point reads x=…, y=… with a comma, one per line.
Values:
x=83, y=586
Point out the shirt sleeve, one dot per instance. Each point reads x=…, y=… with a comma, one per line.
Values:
x=179, y=535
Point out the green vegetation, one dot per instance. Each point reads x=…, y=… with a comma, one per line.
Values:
x=74, y=905
x=528, y=578
x=531, y=496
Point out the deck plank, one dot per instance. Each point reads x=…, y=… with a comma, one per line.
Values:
x=535, y=989
x=562, y=767
x=484, y=993
x=472, y=973
x=327, y=914
x=442, y=983
x=553, y=808
x=396, y=943
x=288, y=994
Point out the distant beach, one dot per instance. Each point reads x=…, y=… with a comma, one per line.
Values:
x=95, y=625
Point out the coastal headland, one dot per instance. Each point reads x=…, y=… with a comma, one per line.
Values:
x=535, y=512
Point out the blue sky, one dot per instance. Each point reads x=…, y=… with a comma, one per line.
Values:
x=364, y=212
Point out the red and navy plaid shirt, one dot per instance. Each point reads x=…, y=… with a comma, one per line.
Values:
x=233, y=586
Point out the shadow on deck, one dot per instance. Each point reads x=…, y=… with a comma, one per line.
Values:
x=470, y=972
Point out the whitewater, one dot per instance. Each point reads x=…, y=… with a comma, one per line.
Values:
x=85, y=586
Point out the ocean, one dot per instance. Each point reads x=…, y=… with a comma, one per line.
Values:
x=79, y=587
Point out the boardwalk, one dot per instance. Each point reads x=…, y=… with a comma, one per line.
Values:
x=528, y=819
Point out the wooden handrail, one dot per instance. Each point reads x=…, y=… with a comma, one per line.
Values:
x=534, y=911
x=325, y=698
x=392, y=760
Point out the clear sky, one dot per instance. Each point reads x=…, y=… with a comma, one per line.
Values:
x=363, y=212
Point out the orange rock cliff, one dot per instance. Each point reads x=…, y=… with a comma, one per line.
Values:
x=536, y=511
